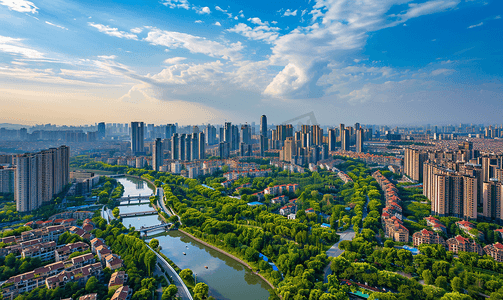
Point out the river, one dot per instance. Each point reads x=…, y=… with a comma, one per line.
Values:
x=227, y=279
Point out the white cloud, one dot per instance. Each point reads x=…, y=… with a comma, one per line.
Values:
x=174, y=60
x=113, y=31
x=258, y=21
x=202, y=10
x=137, y=30
x=198, y=21
x=476, y=25
x=497, y=17
x=194, y=44
x=288, y=12
x=15, y=46
x=107, y=56
x=217, y=24
x=20, y=5
x=420, y=9
x=59, y=26
x=176, y=4
x=274, y=22
x=441, y=72
x=225, y=12
x=263, y=33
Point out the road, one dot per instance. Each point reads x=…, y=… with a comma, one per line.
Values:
x=183, y=292
x=347, y=235
x=160, y=200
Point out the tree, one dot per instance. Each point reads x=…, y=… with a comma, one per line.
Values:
x=428, y=277
x=154, y=243
x=116, y=212
x=457, y=284
x=92, y=285
x=187, y=275
x=442, y=282
x=169, y=292
x=201, y=291
x=455, y=296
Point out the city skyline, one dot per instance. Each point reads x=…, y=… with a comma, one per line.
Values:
x=393, y=61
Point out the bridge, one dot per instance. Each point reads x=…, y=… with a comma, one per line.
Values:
x=116, y=175
x=140, y=213
x=154, y=227
x=133, y=198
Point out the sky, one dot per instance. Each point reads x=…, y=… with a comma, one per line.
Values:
x=192, y=62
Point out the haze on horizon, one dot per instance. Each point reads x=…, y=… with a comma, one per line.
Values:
x=379, y=62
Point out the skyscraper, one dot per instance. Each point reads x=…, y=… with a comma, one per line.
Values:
x=175, y=150
x=181, y=147
x=201, y=147
x=157, y=154
x=101, y=130
x=195, y=146
x=137, y=138
x=359, y=140
x=263, y=135
x=345, y=139
x=40, y=176
x=188, y=147
x=245, y=134
x=331, y=139
x=170, y=130
x=223, y=150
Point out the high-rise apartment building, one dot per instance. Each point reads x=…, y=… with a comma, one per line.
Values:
x=7, y=180
x=201, y=148
x=188, y=147
x=157, y=154
x=359, y=140
x=39, y=176
x=137, y=138
x=413, y=163
x=224, y=150
x=345, y=139
x=211, y=134
x=175, y=150
x=170, y=130
x=492, y=207
x=263, y=135
x=331, y=139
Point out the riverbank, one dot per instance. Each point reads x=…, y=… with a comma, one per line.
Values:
x=228, y=255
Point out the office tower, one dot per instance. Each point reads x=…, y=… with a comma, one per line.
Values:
x=235, y=137
x=341, y=132
x=357, y=126
x=246, y=134
x=195, y=146
x=181, y=147
x=157, y=154
x=331, y=140
x=221, y=134
x=324, y=151
x=223, y=150
x=345, y=139
x=263, y=134
x=175, y=151
x=492, y=207
x=188, y=147
x=228, y=133
x=359, y=140
x=40, y=176
x=263, y=125
x=413, y=163
x=101, y=130
x=195, y=129
x=201, y=147
x=170, y=130
x=263, y=145
x=137, y=138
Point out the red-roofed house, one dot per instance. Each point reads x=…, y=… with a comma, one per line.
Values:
x=122, y=293
x=427, y=237
x=495, y=251
x=460, y=243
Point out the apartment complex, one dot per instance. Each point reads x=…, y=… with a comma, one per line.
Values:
x=39, y=176
x=427, y=237
x=460, y=243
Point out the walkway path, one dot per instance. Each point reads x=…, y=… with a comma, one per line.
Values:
x=183, y=291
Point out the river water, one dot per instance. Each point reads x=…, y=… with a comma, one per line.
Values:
x=227, y=279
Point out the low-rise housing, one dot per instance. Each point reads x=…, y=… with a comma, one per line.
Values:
x=64, y=252
x=495, y=251
x=117, y=280
x=44, y=251
x=460, y=243
x=123, y=293
x=427, y=237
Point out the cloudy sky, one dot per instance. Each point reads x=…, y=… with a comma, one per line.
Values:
x=192, y=62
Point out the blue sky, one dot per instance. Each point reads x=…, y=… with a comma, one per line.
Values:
x=192, y=62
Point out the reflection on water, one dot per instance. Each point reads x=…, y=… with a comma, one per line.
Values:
x=138, y=222
x=226, y=278
x=125, y=209
x=135, y=187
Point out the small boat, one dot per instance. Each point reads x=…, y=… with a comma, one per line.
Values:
x=184, y=253
x=206, y=267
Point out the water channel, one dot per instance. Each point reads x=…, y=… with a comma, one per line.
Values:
x=227, y=279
